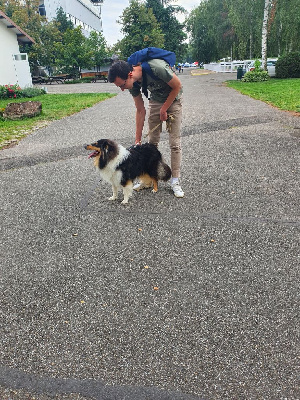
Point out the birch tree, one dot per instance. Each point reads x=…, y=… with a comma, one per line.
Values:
x=264, y=36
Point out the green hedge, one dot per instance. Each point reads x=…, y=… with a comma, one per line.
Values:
x=288, y=66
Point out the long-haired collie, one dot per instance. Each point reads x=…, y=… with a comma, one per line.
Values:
x=120, y=166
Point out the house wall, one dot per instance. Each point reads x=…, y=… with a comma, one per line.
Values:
x=8, y=47
x=80, y=12
x=14, y=67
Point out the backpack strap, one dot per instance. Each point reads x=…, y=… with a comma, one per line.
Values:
x=146, y=70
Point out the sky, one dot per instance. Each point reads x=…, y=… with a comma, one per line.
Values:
x=112, y=9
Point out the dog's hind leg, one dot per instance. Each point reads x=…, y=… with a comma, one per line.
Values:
x=155, y=185
x=115, y=193
x=127, y=192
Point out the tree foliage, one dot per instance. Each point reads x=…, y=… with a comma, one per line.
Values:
x=140, y=28
x=73, y=53
x=211, y=31
x=233, y=28
x=58, y=45
x=98, y=49
x=173, y=30
x=217, y=28
x=62, y=21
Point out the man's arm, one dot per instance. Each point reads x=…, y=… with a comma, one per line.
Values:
x=139, y=117
x=175, y=84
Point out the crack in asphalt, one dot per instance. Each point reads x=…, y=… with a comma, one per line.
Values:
x=66, y=153
x=223, y=125
x=219, y=217
x=97, y=389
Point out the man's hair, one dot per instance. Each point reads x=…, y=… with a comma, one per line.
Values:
x=119, y=69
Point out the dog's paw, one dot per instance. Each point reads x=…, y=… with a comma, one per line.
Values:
x=154, y=191
x=112, y=198
x=124, y=201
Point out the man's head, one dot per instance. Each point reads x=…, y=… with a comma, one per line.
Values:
x=121, y=74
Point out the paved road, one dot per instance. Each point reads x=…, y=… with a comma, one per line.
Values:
x=165, y=298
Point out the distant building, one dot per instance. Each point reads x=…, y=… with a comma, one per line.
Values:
x=14, y=66
x=84, y=13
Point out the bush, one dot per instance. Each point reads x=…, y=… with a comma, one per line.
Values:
x=256, y=76
x=10, y=92
x=87, y=79
x=288, y=66
x=14, y=92
x=32, y=92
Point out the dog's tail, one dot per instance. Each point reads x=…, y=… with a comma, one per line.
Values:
x=163, y=171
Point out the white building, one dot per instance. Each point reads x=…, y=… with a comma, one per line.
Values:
x=14, y=66
x=84, y=13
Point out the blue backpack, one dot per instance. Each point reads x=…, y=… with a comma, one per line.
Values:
x=149, y=53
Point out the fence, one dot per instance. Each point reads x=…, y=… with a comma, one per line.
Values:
x=227, y=66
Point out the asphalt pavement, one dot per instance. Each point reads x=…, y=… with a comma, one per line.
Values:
x=164, y=298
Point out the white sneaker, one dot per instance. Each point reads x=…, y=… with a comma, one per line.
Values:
x=140, y=185
x=178, y=192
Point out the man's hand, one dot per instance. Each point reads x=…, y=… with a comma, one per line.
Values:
x=163, y=115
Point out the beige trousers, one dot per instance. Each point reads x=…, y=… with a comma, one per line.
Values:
x=174, y=136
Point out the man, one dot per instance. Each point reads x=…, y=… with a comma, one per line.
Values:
x=164, y=100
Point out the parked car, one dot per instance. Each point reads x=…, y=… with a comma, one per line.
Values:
x=270, y=67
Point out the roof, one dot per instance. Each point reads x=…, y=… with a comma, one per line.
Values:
x=21, y=35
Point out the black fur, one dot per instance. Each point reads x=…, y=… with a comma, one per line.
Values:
x=143, y=159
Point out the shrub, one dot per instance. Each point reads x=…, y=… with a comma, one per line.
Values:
x=14, y=91
x=257, y=65
x=10, y=92
x=288, y=66
x=87, y=79
x=32, y=92
x=256, y=76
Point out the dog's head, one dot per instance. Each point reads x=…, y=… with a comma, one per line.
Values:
x=104, y=150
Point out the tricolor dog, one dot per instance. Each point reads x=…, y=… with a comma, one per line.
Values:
x=120, y=166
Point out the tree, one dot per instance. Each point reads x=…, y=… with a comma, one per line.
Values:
x=284, y=32
x=98, y=47
x=62, y=21
x=264, y=35
x=140, y=29
x=245, y=18
x=43, y=52
x=26, y=14
x=172, y=29
x=73, y=53
x=211, y=31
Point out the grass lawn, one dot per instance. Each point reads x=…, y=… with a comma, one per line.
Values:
x=281, y=93
x=54, y=106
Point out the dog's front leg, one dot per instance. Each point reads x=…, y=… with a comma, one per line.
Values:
x=115, y=193
x=127, y=192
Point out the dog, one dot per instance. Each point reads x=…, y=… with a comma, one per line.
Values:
x=120, y=166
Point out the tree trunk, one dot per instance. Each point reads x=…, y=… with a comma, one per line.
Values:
x=265, y=34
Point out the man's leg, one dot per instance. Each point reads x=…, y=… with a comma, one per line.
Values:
x=175, y=138
x=155, y=128
x=175, y=111
x=154, y=123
